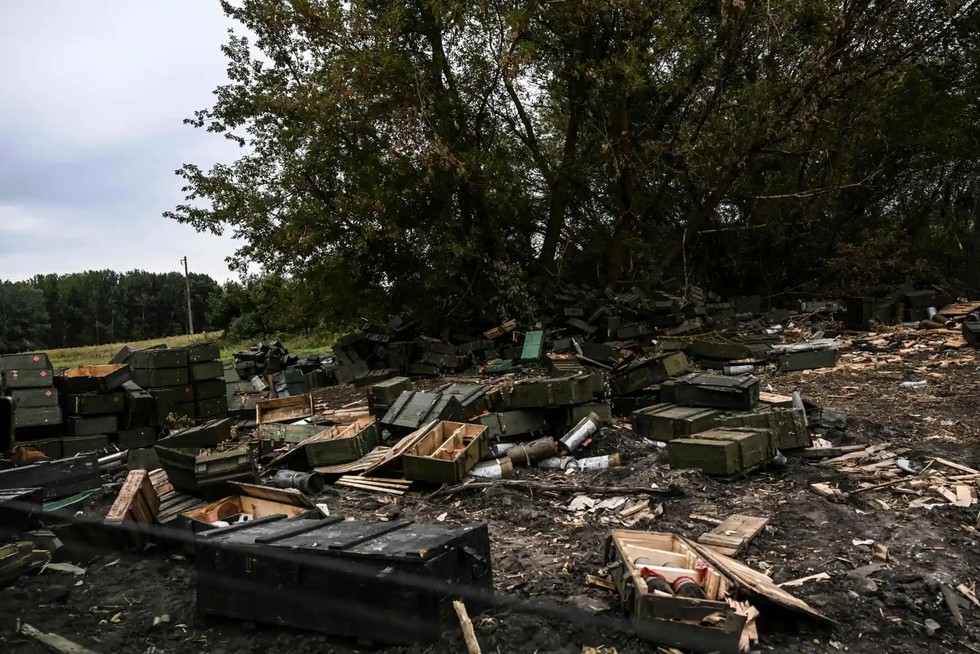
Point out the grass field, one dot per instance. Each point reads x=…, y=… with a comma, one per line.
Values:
x=99, y=354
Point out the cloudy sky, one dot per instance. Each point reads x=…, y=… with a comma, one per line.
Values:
x=92, y=95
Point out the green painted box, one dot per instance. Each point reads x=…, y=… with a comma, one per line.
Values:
x=167, y=400
x=37, y=416
x=382, y=395
x=511, y=424
x=202, y=352
x=712, y=391
x=32, y=361
x=71, y=446
x=139, y=407
x=204, y=473
x=713, y=457
x=216, y=407
x=30, y=398
x=206, y=370
x=343, y=443
x=412, y=410
x=211, y=388
x=133, y=439
x=155, y=358
x=90, y=404
x=811, y=360
x=787, y=425
x=533, y=346
x=31, y=378
x=665, y=422
x=655, y=370
x=91, y=425
x=552, y=392
x=280, y=433
x=446, y=453
x=161, y=377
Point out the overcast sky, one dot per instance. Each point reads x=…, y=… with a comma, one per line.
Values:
x=92, y=98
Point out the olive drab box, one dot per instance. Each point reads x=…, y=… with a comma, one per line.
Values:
x=723, y=452
x=712, y=391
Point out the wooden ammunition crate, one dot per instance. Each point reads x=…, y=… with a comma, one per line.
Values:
x=654, y=370
x=342, y=444
x=93, y=379
x=37, y=416
x=257, y=501
x=724, y=452
x=32, y=378
x=32, y=361
x=578, y=389
x=446, y=453
x=200, y=471
x=206, y=370
x=283, y=409
x=511, y=424
x=665, y=422
x=91, y=425
x=209, y=389
x=202, y=352
x=712, y=391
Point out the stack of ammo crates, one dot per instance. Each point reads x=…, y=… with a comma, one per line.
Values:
x=92, y=401
x=186, y=382
x=207, y=376
x=29, y=380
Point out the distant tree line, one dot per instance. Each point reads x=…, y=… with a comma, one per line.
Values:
x=97, y=307
x=448, y=158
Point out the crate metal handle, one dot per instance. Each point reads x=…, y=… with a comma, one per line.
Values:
x=482, y=565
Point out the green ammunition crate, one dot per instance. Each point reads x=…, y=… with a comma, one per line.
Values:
x=787, y=425
x=446, y=453
x=207, y=370
x=280, y=433
x=33, y=361
x=202, y=352
x=552, y=392
x=723, y=451
x=134, y=439
x=806, y=360
x=472, y=397
x=706, y=349
x=31, y=378
x=209, y=389
x=203, y=473
x=712, y=391
x=161, y=377
x=37, y=416
x=665, y=422
x=242, y=405
x=372, y=377
x=81, y=444
x=533, y=346
x=651, y=371
x=91, y=404
x=216, y=407
x=184, y=412
x=92, y=425
x=32, y=398
x=510, y=424
x=342, y=444
x=139, y=407
x=412, y=410
x=713, y=457
x=382, y=395
x=155, y=358
x=166, y=401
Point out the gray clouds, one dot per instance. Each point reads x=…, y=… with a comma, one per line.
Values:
x=92, y=98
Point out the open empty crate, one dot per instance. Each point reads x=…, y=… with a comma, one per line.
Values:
x=445, y=453
x=723, y=622
x=342, y=444
x=256, y=501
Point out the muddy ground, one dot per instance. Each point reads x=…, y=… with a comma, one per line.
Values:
x=544, y=552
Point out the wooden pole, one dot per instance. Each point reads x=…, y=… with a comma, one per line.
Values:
x=472, y=645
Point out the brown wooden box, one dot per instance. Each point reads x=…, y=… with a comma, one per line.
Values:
x=446, y=453
x=259, y=501
x=284, y=409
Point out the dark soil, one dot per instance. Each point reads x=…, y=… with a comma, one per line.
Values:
x=544, y=552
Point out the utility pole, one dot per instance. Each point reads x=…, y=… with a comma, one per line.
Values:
x=187, y=282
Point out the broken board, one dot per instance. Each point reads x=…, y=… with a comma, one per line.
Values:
x=734, y=534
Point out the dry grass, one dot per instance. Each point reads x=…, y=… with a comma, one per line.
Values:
x=99, y=354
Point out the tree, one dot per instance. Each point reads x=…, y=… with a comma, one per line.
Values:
x=453, y=158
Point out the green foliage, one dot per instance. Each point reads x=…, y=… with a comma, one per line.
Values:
x=96, y=307
x=448, y=158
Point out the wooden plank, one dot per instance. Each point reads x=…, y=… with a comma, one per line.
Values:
x=964, y=495
x=956, y=466
x=829, y=452
x=734, y=534
x=868, y=451
x=137, y=500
